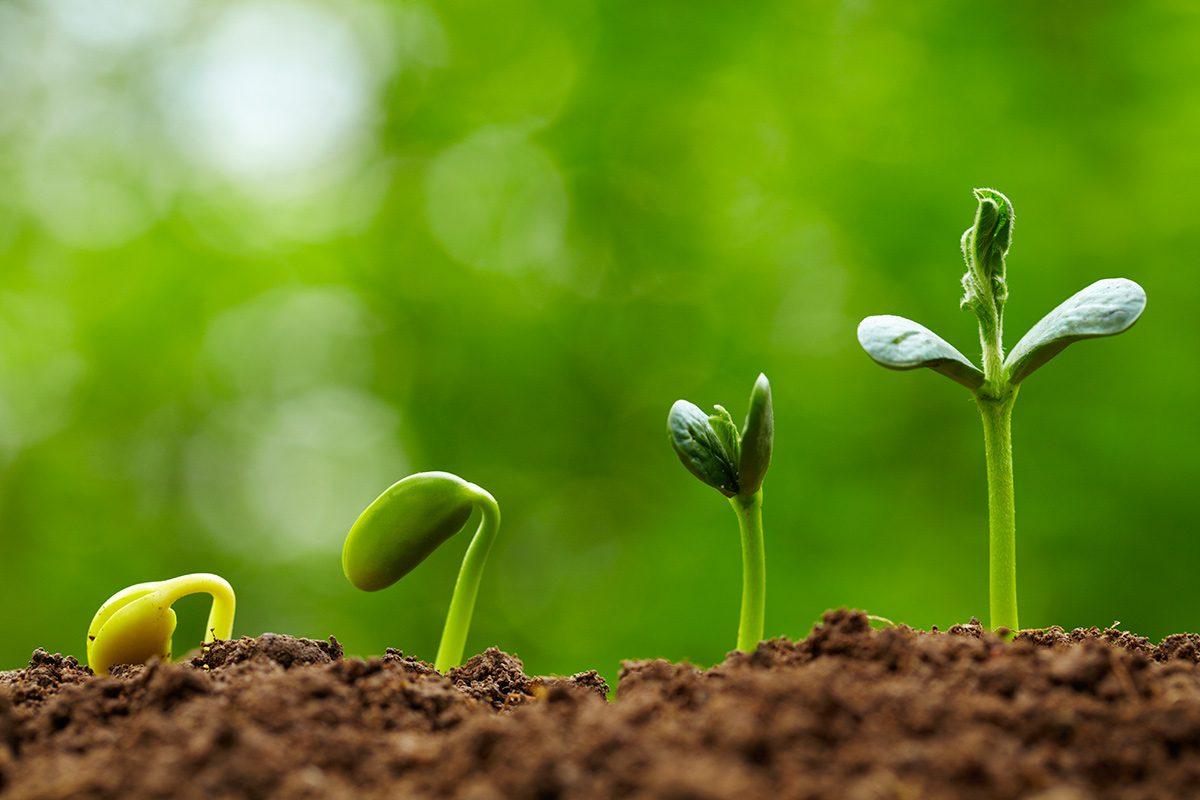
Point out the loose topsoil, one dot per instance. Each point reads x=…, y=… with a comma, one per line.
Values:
x=850, y=713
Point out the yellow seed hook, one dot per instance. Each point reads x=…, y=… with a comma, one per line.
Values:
x=136, y=624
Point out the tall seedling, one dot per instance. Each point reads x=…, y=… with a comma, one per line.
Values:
x=1105, y=308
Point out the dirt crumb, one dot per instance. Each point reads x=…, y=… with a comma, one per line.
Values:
x=589, y=681
x=286, y=651
x=410, y=663
x=493, y=677
x=45, y=676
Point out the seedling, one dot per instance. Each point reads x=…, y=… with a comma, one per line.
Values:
x=734, y=464
x=404, y=525
x=136, y=624
x=1105, y=308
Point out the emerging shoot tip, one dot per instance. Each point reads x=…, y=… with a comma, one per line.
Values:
x=734, y=463
x=136, y=624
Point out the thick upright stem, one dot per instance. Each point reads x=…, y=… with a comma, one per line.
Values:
x=991, y=332
x=754, y=571
x=462, y=603
x=1002, y=519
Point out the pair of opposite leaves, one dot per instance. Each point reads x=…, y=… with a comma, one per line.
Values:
x=1105, y=308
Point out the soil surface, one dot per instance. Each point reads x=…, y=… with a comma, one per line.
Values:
x=850, y=713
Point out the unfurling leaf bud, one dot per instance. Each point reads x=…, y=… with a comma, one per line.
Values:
x=732, y=461
x=985, y=246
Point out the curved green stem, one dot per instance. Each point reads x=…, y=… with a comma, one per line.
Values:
x=1002, y=516
x=754, y=570
x=466, y=587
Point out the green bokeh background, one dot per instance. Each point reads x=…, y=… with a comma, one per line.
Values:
x=258, y=260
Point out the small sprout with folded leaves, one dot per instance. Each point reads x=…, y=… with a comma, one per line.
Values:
x=408, y=522
x=136, y=624
x=734, y=463
x=1105, y=308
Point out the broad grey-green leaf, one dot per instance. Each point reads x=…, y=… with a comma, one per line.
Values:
x=1105, y=308
x=699, y=447
x=899, y=343
x=723, y=425
x=758, y=437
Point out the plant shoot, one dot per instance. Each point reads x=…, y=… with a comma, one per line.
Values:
x=1105, y=308
x=734, y=463
x=137, y=623
x=408, y=522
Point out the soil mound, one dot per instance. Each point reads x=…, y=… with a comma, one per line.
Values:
x=850, y=712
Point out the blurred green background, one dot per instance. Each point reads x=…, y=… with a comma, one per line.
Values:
x=260, y=259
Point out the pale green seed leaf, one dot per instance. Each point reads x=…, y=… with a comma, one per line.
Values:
x=758, y=437
x=1105, y=308
x=403, y=526
x=699, y=447
x=899, y=343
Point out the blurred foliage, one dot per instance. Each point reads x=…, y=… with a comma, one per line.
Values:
x=260, y=259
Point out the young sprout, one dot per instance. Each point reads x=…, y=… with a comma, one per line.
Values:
x=734, y=464
x=136, y=623
x=404, y=525
x=1105, y=308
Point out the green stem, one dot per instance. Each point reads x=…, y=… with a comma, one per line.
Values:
x=1002, y=517
x=462, y=603
x=754, y=571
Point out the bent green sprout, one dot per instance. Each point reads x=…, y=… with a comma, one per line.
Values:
x=408, y=522
x=137, y=623
x=734, y=463
x=1105, y=308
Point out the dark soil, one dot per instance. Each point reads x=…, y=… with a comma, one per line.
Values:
x=849, y=713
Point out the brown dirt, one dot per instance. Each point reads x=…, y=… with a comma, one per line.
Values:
x=849, y=713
